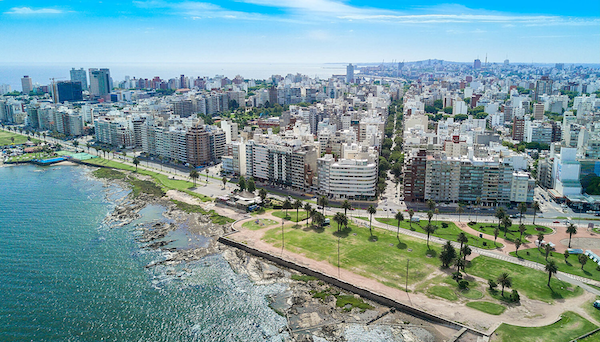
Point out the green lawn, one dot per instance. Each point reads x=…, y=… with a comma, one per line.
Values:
x=214, y=217
x=291, y=215
x=450, y=233
x=164, y=180
x=569, y=327
x=383, y=259
x=445, y=292
x=31, y=156
x=5, y=138
x=513, y=232
x=573, y=266
x=262, y=223
x=589, y=307
x=487, y=307
x=527, y=281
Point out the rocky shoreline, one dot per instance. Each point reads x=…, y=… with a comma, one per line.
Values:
x=309, y=306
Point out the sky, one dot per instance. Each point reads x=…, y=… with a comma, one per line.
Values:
x=298, y=31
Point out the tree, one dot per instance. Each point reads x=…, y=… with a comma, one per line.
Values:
x=308, y=209
x=431, y=204
x=447, y=255
x=477, y=203
x=88, y=145
x=262, y=193
x=506, y=222
x=496, y=233
x=338, y=219
x=505, y=281
x=517, y=245
x=566, y=255
x=287, y=205
x=206, y=170
x=465, y=251
x=346, y=205
x=399, y=218
x=371, y=210
x=224, y=181
x=536, y=207
x=242, y=183
x=429, y=216
x=429, y=229
x=323, y=201
x=136, y=162
x=460, y=264
x=540, y=238
x=460, y=210
x=411, y=213
x=319, y=219
x=251, y=186
x=297, y=205
x=194, y=175
x=547, y=248
x=522, y=211
x=582, y=260
x=492, y=284
x=571, y=229
x=551, y=268
x=500, y=213
x=462, y=239
x=522, y=229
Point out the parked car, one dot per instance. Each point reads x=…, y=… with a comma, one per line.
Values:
x=556, y=222
x=597, y=304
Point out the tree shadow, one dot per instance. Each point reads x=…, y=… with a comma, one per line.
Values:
x=431, y=253
x=586, y=272
x=568, y=263
x=401, y=245
x=373, y=238
x=343, y=233
x=318, y=229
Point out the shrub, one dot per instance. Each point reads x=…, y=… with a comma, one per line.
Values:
x=457, y=276
x=527, y=252
x=463, y=284
x=444, y=225
x=492, y=283
x=514, y=296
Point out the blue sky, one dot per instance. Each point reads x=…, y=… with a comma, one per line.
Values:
x=296, y=31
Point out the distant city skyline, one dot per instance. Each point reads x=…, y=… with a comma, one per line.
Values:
x=285, y=31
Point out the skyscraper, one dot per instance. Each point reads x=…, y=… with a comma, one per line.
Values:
x=79, y=75
x=542, y=86
x=350, y=73
x=99, y=82
x=27, y=84
x=69, y=91
x=477, y=64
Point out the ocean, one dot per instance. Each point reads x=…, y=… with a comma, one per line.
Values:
x=66, y=276
x=42, y=73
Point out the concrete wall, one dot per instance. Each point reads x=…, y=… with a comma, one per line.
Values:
x=349, y=287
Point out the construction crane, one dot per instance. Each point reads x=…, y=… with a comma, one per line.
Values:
x=54, y=90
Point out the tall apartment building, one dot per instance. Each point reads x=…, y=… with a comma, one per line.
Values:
x=350, y=73
x=184, y=108
x=99, y=82
x=542, y=86
x=79, y=75
x=198, y=146
x=538, y=132
x=26, y=84
x=538, y=111
x=518, y=132
x=68, y=91
x=442, y=179
x=414, y=177
x=347, y=178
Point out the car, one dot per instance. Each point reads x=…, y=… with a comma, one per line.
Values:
x=597, y=304
x=555, y=221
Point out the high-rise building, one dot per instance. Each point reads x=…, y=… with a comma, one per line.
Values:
x=538, y=111
x=506, y=62
x=477, y=64
x=518, y=132
x=68, y=91
x=542, y=86
x=79, y=75
x=26, y=84
x=350, y=73
x=99, y=82
x=198, y=146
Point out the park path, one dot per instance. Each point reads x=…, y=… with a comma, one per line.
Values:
x=542, y=314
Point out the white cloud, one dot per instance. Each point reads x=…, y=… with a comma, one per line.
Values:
x=29, y=10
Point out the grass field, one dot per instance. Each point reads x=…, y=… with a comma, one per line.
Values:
x=214, y=217
x=450, y=233
x=487, y=307
x=569, y=327
x=591, y=310
x=31, y=156
x=443, y=292
x=262, y=223
x=161, y=179
x=5, y=138
x=571, y=265
x=513, y=232
x=528, y=282
x=382, y=258
x=291, y=215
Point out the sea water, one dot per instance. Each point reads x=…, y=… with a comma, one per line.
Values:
x=67, y=276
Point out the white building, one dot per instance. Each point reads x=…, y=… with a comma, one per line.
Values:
x=352, y=179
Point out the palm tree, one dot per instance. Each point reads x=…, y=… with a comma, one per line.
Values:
x=399, y=218
x=344, y=221
x=308, y=209
x=346, y=205
x=429, y=229
x=224, y=181
x=371, y=210
x=44, y=135
x=242, y=183
x=250, y=186
x=551, y=268
x=462, y=238
x=571, y=229
x=477, y=203
x=88, y=145
x=436, y=212
x=540, y=238
x=522, y=229
x=323, y=201
x=460, y=210
x=505, y=281
x=506, y=222
x=411, y=213
x=262, y=193
x=517, y=245
x=207, y=178
x=496, y=233
x=465, y=251
x=287, y=205
x=547, y=248
x=536, y=207
x=338, y=219
x=194, y=175
x=522, y=210
x=430, y=215
x=136, y=162
x=500, y=213
x=297, y=205
x=582, y=260
x=431, y=204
